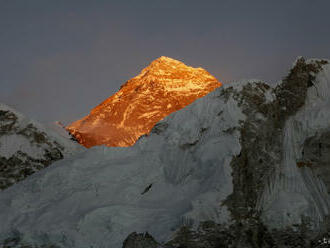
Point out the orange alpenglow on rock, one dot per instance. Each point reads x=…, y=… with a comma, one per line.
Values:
x=163, y=87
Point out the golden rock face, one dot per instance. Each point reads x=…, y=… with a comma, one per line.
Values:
x=163, y=87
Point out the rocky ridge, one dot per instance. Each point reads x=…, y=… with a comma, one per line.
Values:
x=27, y=147
x=253, y=172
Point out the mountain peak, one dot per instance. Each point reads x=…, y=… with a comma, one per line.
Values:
x=164, y=59
x=164, y=86
x=171, y=71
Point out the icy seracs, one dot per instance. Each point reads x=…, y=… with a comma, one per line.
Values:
x=239, y=157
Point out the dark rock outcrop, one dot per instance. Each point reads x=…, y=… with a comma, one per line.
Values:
x=140, y=240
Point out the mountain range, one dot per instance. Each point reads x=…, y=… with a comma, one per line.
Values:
x=246, y=165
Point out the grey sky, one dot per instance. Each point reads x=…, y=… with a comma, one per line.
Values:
x=60, y=58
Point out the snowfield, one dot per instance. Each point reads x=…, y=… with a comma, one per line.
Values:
x=94, y=198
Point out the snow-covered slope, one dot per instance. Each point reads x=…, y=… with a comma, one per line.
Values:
x=95, y=197
x=26, y=146
x=232, y=157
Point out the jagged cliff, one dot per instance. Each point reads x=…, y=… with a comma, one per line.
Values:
x=163, y=87
x=244, y=166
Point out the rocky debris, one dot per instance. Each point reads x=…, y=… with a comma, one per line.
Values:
x=291, y=93
x=16, y=242
x=21, y=165
x=242, y=235
x=141, y=240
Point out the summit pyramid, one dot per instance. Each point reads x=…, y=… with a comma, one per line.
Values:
x=163, y=87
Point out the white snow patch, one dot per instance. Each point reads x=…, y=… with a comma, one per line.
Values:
x=270, y=96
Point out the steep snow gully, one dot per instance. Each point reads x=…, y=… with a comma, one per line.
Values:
x=245, y=166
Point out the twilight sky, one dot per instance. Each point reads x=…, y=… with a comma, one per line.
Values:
x=60, y=58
